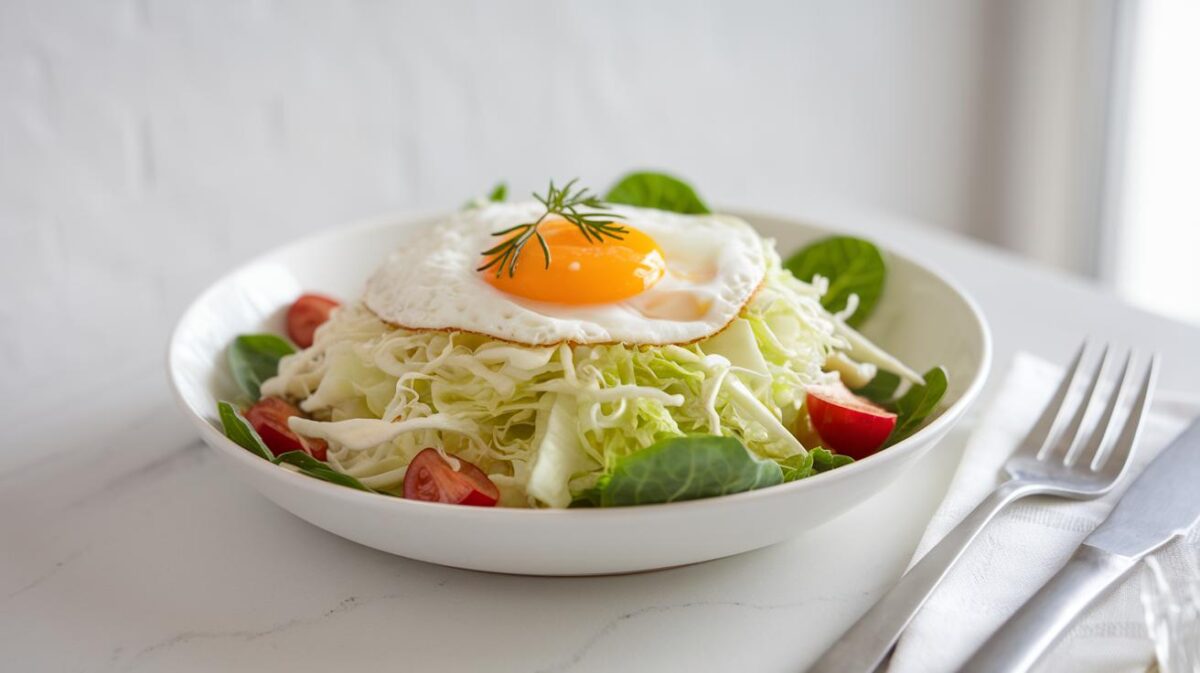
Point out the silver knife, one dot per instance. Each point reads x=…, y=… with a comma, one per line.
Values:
x=1162, y=504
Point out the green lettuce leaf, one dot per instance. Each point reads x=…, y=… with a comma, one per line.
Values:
x=813, y=461
x=852, y=265
x=318, y=470
x=798, y=466
x=657, y=190
x=915, y=405
x=684, y=468
x=881, y=389
x=254, y=358
x=825, y=460
x=243, y=434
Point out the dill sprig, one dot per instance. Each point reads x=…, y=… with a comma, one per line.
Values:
x=565, y=203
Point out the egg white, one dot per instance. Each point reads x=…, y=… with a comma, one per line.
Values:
x=715, y=263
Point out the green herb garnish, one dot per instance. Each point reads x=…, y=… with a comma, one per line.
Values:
x=565, y=203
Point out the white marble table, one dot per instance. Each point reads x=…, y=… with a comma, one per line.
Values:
x=125, y=547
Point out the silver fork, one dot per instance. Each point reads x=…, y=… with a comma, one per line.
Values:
x=1059, y=457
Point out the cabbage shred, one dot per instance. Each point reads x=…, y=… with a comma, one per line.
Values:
x=619, y=398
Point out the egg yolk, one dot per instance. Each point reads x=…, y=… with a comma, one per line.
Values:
x=582, y=271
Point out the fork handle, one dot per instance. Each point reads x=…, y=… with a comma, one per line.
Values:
x=868, y=642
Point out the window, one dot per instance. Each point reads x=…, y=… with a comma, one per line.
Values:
x=1154, y=258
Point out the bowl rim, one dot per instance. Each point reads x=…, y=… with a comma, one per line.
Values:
x=318, y=487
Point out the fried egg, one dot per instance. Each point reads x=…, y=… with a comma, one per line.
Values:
x=670, y=279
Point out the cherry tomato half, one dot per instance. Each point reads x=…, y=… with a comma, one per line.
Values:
x=848, y=424
x=269, y=418
x=432, y=479
x=307, y=314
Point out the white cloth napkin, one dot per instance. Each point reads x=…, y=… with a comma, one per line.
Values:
x=1028, y=542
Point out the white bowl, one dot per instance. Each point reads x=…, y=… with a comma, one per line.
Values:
x=923, y=318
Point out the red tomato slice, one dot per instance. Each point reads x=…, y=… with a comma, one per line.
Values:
x=849, y=424
x=432, y=479
x=307, y=314
x=269, y=418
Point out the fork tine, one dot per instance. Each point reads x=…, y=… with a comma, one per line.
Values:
x=1126, y=443
x=1093, y=451
x=1068, y=439
x=1049, y=420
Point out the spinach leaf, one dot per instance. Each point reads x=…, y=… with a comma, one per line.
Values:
x=319, y=470
x=499, y=192
x=881, y=389
x=657, y=190
x=813, y=461
x=254, y=358
x=683, y=468
x=243, y=434
x=915, y=405
x=825, y=460
x=852, y=265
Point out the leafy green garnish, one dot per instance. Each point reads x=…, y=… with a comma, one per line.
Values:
x=564, y=203
x=825, y=460
x=797, y=467
x=319, y=470
x=881, y=389
x=915, y=405
x=254, y=358
x=683, y=468
x=852, y=265
x=657, y=190
x=813, y=461
x=243, y=434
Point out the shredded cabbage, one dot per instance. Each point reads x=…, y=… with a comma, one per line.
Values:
x=546, y=422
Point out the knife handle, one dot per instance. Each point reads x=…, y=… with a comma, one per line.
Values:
x=1038, y=624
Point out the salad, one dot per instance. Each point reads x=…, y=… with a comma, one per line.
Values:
x=583, y=351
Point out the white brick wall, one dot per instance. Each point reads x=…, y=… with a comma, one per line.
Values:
x=146, y=146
